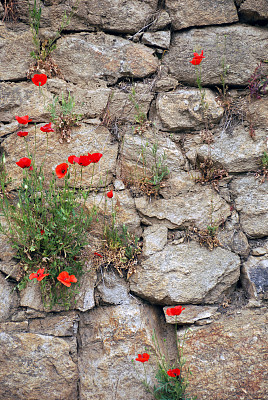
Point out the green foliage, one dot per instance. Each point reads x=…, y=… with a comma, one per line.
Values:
x=62, y=114
x=169, y=387
x=264, y=160
x=124, y=240
x=46, y=226
x=44, y=49
x=140, y=116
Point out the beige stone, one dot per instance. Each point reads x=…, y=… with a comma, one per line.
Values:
x=240, y=47
x=182, y=109
x=158, y=39
x=228, y=357
x=235, y=152
x=15, y=58
x=192, y=208
x=251, y=200
x=154, y=239
x=86, y=56
x=191, y=315
x=254, y=277
x=36, y=366
x=186, y=273
x=188, y=13
x=110, y=16
x=56, y=325
x=111, y=337
x=24, y=99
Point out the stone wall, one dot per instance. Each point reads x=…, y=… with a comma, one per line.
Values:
x=109, y=48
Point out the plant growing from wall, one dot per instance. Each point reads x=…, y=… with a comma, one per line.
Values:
x=120, y=248
x=172, y=378
x=63, y=116
x=44, y=48
x=148, y=178
x=262, y=173
x=209, y=172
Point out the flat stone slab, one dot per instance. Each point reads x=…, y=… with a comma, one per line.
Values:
x=228, y=358
x=241, y=47
x=191, y=314
x=86, y=56
x=36, y=367
x=187, y=13
x=186, y=274
x=109, y=343
x=15, y=58
x=251, y=201
x=196, y=207
x=182, y=110
x=235, y=152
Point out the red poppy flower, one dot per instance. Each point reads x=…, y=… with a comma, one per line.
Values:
x=175, y=310
x=72, y=160
x=22, y=133
x=42, y=231
x=97, y=254
x=95, y=157
x=61, y=170
x=39, y=275
x=110, y=194
x=66, y=279
x=31, y=168
x=143, y=357
x=24, y=162
x=197, y=58
x=47, y=128
x=174, y=372
x=84, y=160
x=39, y=79
x=23, y=120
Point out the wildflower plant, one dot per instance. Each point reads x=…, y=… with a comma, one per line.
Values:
x=43, y=49
x=172, y=378
x=63, y=116
x=47, y=220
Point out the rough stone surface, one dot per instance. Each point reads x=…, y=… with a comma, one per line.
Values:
x=87, y=56
x=8, y=298
x=254, y=277
x=23, y=99
x=242, y=49
x=84, y=139
x=188, y=13
x=154, y=239
x=235, y=153
x=235, y=345
x=254, y=10
x=122, y=109
x=111, y=337
x=158, y=39
x=116, y=16
x=251, y=201
x=193, y=208
x=62, y=325
x=191, y=314
x=182, y=109
x=112, y=289
x=137, y=150
x=90, y=101
x=186, y=273
x=16, y=46
x=36, y=366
